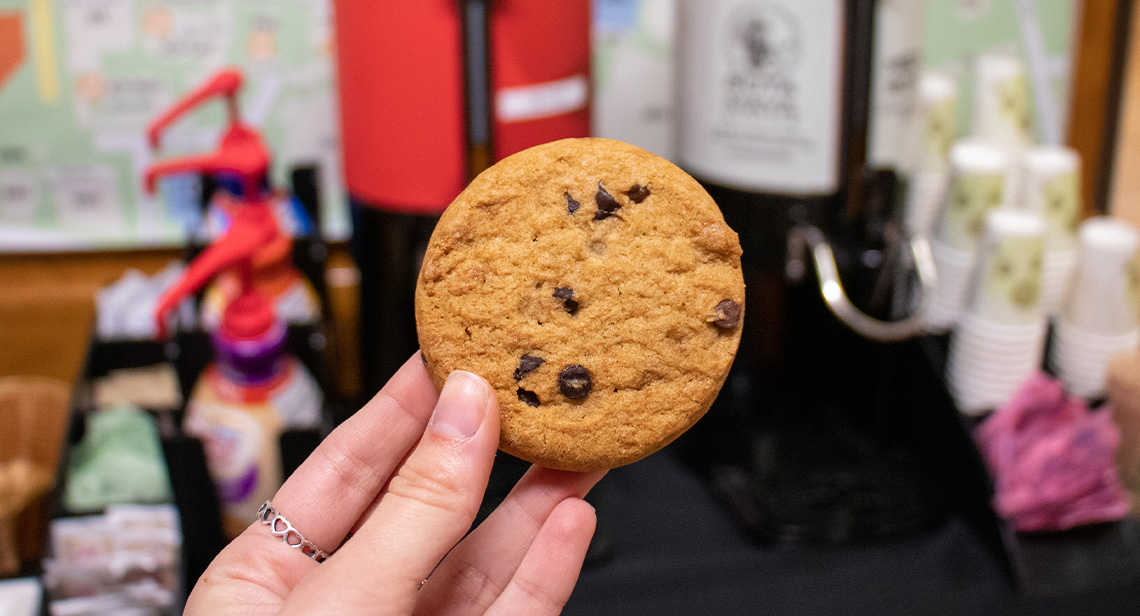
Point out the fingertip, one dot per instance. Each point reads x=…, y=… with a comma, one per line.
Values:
x=573, y=518
x=462, y=406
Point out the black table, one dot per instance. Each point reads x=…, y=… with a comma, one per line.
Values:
x=675, y=551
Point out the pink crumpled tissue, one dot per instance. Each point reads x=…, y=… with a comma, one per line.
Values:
x=1052, y=459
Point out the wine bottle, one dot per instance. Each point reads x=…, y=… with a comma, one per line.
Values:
x=774, y=107
x=766, y=124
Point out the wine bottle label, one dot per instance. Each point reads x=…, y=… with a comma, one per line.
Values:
x=760, y=87
x=894, y=127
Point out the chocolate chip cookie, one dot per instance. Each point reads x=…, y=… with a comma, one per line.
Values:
x=597, y=288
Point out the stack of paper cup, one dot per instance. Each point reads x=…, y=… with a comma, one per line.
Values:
x=977, y=177
x=1100, y=315
x=1000, y=339
x=938, y=109
x=1001, y=111
x=1001, y=100
x=1050, y=186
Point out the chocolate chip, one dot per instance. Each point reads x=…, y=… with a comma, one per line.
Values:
x=571, y=204
x=638, y=193
x=575, y=382
x=726, y=314
x=527, y=397
x=607, y=205
x=527, y=364
x=566, y=294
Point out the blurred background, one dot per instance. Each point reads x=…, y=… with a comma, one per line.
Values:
x=213, y=213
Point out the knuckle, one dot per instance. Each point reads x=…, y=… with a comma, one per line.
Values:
x=477, y=585
x=437, y=486
x=350, y=472
x=538, y=595
x=397, y=408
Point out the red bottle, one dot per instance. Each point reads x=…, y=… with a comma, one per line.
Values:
x=430, y=92
x=402, y=94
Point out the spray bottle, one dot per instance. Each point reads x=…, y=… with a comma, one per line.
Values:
x=274, y=274
x=254, y=390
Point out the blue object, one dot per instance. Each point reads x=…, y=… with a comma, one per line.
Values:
x=615, y=15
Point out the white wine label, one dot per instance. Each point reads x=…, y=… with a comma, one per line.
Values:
x=634, y=89
x=761, y=92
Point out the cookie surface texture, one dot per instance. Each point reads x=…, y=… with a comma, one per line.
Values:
x=597, y=288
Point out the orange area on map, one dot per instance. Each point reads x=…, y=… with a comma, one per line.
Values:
x=11, y=44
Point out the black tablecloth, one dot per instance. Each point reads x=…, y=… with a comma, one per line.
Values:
x=676, y=552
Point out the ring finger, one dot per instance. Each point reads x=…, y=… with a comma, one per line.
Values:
x=333, y=488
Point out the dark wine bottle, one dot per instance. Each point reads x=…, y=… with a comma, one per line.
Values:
x=774, y=108
x=772, y=121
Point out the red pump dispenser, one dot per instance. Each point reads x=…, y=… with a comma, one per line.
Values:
x=241, y=161
x=254, y=245
x=253, y=390
x=250, y=315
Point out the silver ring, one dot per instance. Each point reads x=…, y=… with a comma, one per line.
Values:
x=280, y=527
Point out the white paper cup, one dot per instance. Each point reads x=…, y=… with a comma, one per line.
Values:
x=927, y=191
x=1001, y=100
x=1049, y=184
x=981, y=350
x=938, y=110
x=1006, y=285
x=989, y=360
x=1056, y=278
x=976, y=185
x=949, y=295
x=1104, y=297
x=1081, y=358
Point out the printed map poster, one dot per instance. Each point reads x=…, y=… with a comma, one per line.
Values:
x=80, y=80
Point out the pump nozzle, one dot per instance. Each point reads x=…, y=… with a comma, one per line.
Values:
x=241, y=162
x=251, y=314
x=224, y=83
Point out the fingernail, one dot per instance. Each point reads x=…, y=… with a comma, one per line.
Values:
x=459, y=412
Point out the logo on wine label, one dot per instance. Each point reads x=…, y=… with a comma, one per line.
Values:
x=765, y=38
x=764, y=47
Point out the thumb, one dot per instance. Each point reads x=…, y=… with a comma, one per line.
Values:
x=426, y=508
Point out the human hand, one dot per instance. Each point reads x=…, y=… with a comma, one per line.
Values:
x=404, y=478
